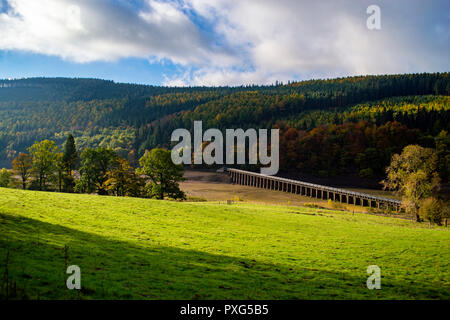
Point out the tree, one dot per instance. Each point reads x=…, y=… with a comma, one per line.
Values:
x=22, y=167
x=5, y=178
x=431, y=210
x=442, y=141
x=69, y=162
x=413, y=175
x=164, y=175
x=122, y=180
x=95, y=164
x=446, y=212
x=60, y=170
x=44, y=155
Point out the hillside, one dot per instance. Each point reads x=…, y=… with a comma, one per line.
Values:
x=131, y=248
x=381, y=115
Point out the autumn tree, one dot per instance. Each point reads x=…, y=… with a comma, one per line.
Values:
x=22, y=166
x=431, y=210
x=164, y=175
x=44, y=156
x=122, y=180
x=413, y=175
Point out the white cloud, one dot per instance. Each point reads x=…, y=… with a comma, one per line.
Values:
x=246, y=41
x=289, y=39
x=100, y=30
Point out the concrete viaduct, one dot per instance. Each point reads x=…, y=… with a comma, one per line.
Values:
x=257, y=180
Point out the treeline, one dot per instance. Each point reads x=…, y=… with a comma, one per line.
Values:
x=94, y=170
x=132, y=118
x=72, y=90
x=299, y=102
x=361, y=148
x=430, y=114
x=22, y=123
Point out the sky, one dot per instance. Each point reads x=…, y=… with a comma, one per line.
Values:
x=221, y=42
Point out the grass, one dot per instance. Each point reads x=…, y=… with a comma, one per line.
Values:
x=147, y=249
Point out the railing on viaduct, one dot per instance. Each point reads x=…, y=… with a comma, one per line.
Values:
x=257, y=180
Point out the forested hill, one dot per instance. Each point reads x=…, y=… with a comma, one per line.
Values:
x=65, y=89
x=359, y=121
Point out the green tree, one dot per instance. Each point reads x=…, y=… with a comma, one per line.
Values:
x=164, y=175
x=60, y=171
x=5, y=178
x=413, y=175
x=95, y=164
x=22, y=167
x=69, y=162
x=44, y=155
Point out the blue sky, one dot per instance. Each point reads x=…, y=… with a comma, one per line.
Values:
x=15, y=64
x=220, y=42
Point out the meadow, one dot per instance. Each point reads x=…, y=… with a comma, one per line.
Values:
x=129, y=248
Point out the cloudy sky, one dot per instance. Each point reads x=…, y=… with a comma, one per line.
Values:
x=220, y=42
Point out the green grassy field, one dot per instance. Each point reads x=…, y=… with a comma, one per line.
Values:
x=147, y=249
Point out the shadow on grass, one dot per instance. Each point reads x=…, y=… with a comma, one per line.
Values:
x=112, y=269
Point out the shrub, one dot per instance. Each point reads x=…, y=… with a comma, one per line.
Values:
x=312, y=205
x=5, y=178
x=366, y=173
x=196, y=199
x=431, y=210
x=446, y=212
x=335, y=205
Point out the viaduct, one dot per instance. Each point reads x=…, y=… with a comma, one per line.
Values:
x=257, y=180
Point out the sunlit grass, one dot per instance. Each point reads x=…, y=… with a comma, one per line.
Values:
x=147, y=249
